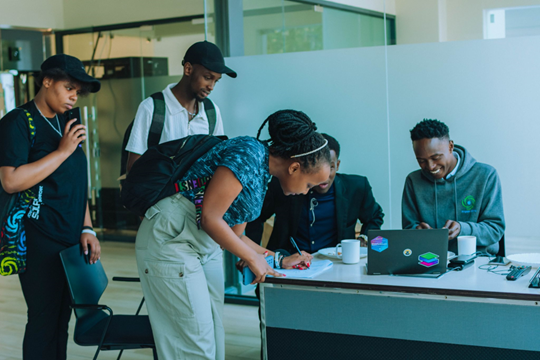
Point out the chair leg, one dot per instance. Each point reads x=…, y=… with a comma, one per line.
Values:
x=155, y=353
x=97, y=352
x=136, y=314
x=140, y=306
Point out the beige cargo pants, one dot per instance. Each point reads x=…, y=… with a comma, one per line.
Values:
x=181, y=275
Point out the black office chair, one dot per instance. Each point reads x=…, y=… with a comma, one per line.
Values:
x=499, y=257
x=96, y=325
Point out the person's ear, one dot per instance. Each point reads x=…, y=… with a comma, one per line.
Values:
x=47, y=82
x=188, y=69
x=294, y=167
x=337, y=165
x=451, y=145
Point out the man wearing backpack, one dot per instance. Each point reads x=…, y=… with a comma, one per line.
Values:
x=181, y=109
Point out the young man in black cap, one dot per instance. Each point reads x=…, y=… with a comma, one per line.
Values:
x=323, y=217
x=185, y=112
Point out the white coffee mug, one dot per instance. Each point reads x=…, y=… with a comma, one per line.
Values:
x=350, y=251
x=466, y=245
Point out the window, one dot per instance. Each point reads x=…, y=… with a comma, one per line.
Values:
x=511, y=22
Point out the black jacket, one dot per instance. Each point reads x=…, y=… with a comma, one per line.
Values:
x=354, y=201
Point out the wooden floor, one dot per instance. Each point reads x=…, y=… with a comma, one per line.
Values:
x=242, y=339
x=242, y=335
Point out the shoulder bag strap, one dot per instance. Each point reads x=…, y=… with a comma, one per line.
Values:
x=210, y=111
x=158, y=119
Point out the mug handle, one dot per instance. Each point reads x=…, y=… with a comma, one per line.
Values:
x=337, y=253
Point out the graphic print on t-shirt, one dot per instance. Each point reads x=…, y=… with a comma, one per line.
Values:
x=36, y=205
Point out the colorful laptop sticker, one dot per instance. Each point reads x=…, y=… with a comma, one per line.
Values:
x=428, y=259
x=379, y=244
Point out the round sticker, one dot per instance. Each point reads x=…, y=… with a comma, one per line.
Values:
x=407, y=252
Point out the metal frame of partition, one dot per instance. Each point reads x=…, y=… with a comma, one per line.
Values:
x=332, y=5
x=344, y=7
x=229, y=26
x=59, y=35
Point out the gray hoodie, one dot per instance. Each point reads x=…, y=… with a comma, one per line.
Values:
x=473, y=197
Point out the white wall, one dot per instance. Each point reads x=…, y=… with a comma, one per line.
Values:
x=32, y=13
x=486, y=91
x=465, y=17
x=417, y=21
x=422, y=21
x=82, y=13
x=375, y=5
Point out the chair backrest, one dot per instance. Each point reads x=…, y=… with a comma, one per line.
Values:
x=502, y=249
x=87, y=282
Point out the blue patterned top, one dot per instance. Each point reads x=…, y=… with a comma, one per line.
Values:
x=247, y=158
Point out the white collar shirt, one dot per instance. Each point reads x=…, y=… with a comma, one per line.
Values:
x=176, y=126
x=454, y=171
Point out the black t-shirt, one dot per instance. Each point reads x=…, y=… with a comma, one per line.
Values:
x=59, y=206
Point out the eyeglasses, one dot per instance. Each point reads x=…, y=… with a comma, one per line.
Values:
x=313, y=203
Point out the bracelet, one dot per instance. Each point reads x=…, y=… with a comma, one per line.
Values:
x=88, y=227
x=276, y=260
x=363, y=236
x=90, y=231
x=280, y=262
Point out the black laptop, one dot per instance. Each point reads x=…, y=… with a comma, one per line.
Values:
x=407, y=251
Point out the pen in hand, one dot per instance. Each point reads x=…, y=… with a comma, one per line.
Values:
x=298, y=249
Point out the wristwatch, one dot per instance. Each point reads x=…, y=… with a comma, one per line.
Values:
x=363, y=236
x=276, y=260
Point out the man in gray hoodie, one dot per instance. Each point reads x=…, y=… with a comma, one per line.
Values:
x=452, y=190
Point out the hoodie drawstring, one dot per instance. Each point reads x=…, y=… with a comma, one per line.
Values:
x=436, y=206
x=455, y=199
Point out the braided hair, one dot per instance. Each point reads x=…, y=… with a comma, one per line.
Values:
x=292, y=133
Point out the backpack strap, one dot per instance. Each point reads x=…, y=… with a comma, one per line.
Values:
x=210, y=111
x=158, y=119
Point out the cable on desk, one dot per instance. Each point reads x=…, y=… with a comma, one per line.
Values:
x=491, y=269
x=482, y=254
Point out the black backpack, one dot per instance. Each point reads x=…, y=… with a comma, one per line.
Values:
x=158, y=119
x=154, y=174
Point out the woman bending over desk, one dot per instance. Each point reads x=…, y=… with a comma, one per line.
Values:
x=179, y=244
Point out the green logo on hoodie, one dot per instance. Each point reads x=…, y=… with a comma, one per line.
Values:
x=468, y=203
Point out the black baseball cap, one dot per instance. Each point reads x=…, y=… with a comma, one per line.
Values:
x=209, y=56
x=73, y=67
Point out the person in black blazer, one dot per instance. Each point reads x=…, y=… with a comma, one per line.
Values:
x=323, y=217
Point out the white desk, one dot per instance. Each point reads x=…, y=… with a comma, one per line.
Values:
x=346, y=314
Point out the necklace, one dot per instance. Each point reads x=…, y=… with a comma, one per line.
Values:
x=192, y=115
x=47, y=120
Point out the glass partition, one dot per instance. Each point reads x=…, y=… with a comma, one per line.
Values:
x=134, y=62
x=131, y=63
x=278, y=26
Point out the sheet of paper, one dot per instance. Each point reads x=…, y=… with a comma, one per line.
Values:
x=316, y=268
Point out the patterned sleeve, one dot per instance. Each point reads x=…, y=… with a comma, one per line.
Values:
x=244, y=156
